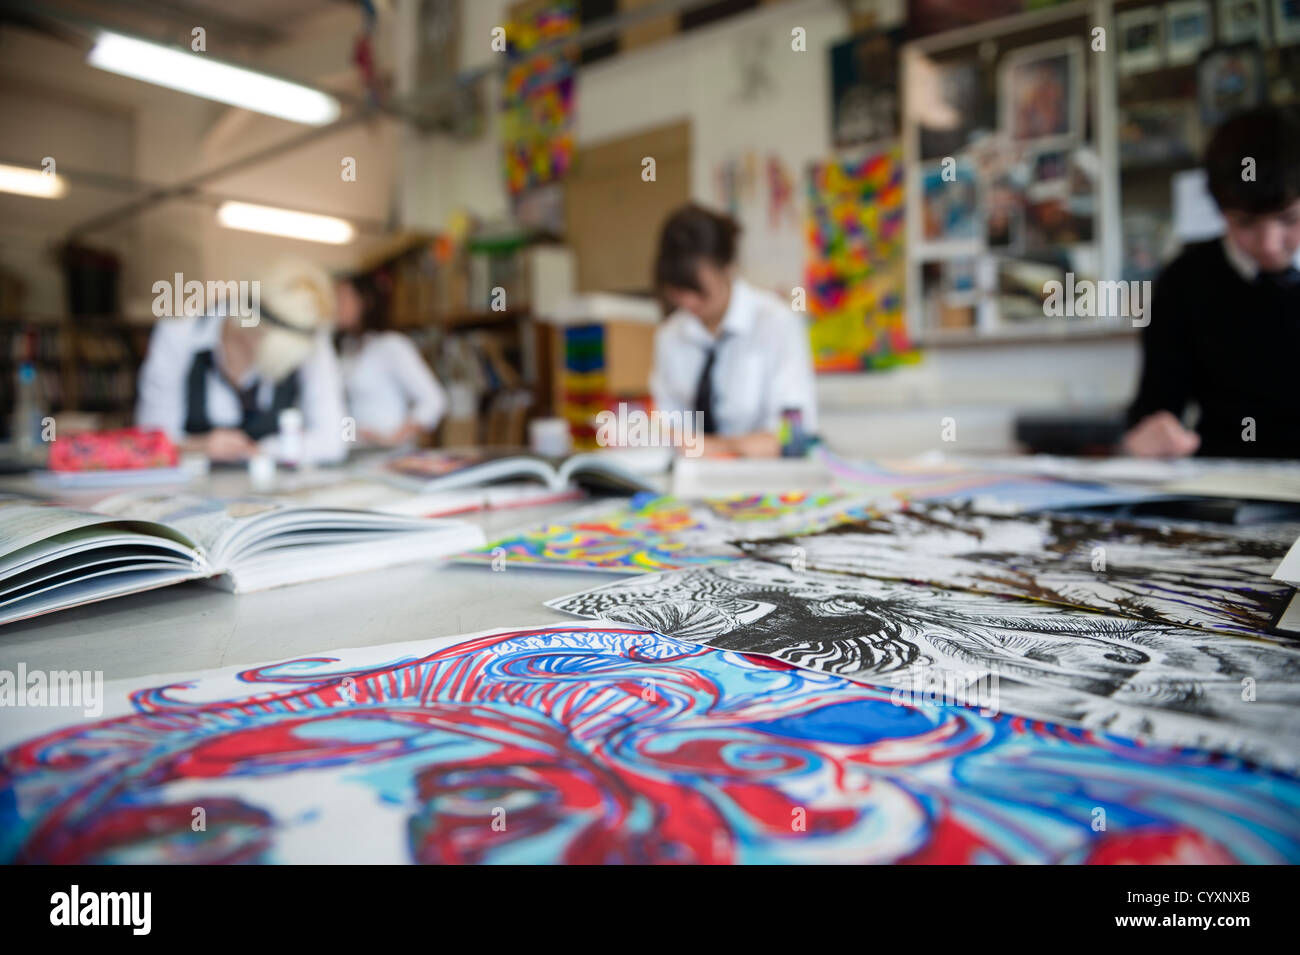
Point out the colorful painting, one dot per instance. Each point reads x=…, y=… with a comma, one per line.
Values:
x=538, y=100
x=600, y=745
x=951, y=221
x=662, y=533
x=1042, y=93
x=855, y=271
x=1230, y=81
x=1132, y=678
x=1175, y=575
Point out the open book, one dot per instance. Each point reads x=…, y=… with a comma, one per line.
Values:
x=53, y=557
x=616, y=471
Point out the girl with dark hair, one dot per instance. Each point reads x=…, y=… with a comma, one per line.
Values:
x=734, y=353
x=391, y=393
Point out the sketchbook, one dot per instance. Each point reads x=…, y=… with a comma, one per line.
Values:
x=597, y=744
x=1132, y=678
x=53, y=558
x=1159, y=572
x=606, y=472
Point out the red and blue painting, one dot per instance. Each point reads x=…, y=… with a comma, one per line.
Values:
x=600, y=744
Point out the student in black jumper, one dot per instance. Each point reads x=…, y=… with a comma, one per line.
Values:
x=1225, y=317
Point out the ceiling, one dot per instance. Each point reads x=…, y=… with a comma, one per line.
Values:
x=247, y=24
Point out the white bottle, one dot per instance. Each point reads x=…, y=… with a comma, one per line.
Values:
x=291, y=439
x=28, y=414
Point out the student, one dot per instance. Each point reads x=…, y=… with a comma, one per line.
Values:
x=391, y=392
x=217, y=384
x=733, y=352
x=1224, y=328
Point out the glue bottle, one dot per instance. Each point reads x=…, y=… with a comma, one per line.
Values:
x=290, y=421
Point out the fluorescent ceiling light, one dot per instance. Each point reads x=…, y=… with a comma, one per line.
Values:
x=31, y=182
x=201, y=76
x=285, y=222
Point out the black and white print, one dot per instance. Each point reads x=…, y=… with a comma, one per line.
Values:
x=1133, y=678
x=1150, y=572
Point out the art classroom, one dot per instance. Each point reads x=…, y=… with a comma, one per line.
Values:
x=651, y=431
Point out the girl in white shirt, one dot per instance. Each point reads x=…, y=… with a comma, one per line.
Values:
x=391, y=393
x=217, y=383
x=733, y=352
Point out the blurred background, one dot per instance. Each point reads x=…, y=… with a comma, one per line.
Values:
x=496, y=173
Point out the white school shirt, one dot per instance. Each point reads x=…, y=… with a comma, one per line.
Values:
x=763, y=364
x=388, y=382
x=1245, y=266
x=164, y=382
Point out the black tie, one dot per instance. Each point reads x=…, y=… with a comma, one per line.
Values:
x=704, y=390
x=248, y=399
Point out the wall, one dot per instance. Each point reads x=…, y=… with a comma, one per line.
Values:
x=899, y=412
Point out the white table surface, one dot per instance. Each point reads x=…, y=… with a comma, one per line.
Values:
x=195, y=626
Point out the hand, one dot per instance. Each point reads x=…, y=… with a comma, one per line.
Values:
x=408, y=432
x=1160, y=435
x=760, y=444
x=228, y=444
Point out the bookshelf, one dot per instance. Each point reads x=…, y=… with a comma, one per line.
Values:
x=469, y=308
x=86, y=365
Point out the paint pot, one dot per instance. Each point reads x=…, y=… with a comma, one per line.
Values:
x=261, y=472
x=549, y=437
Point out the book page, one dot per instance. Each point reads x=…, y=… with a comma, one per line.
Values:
x=23, y=523
x=205, y=520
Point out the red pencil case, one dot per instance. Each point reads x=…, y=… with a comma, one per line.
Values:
x=126, y=449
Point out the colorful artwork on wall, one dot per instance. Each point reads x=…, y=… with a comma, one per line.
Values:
x=759, y=189
x=538, y=99
x=855, y=270
x=599, y=745
x=1042, y=93
x=951, y=220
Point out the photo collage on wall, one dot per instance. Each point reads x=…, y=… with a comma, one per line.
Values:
x=1007, y=193
x=1183, y=68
